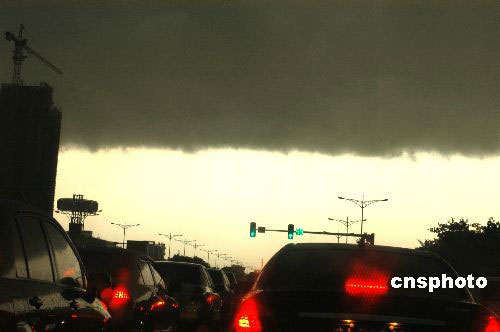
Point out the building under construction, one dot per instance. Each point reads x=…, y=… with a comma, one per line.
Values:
x=30, y=128
x=29, y=144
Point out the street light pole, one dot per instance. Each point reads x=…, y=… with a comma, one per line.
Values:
x=169, y=237
x=208, y=253
x=346, y=223
x=362, y=204
x=124, y=227
x=196, y=246
x=185, y=242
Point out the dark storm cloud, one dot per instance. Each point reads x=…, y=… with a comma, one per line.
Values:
x=365, y=77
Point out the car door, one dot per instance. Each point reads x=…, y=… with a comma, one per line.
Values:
x=40, y=296
x=80, y=310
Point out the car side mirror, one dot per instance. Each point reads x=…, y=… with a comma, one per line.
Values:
x=72, y=293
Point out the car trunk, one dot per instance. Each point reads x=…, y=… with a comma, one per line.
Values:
x=332, y=310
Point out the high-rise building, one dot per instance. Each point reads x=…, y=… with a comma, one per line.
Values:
x=30, y=128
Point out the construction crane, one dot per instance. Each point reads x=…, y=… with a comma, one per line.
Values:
x=21, y=45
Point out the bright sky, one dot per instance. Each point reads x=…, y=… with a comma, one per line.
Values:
x=211, y=196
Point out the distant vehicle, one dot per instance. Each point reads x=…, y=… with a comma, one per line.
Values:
x=131, y=287
x=341, y=287
x=490, y=295
x=42, y=280
x=223, y=288
x=232, y=279
x=190, y=284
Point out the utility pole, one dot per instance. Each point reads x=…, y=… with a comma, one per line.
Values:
x=362, y=204
x=124, y=227
x=169, y=237
x=346, y=223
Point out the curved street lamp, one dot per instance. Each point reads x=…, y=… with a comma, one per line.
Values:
x=124, y=227
x=362, y=204
x=169, y=237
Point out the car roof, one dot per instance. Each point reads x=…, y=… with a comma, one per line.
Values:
x=114, y=251
x=178, y=263
x=343, y=246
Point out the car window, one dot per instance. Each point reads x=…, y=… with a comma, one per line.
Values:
x=117, y=264
x=35, y=247
x=205, y=278
x=21, y=268
x=146, y=273
x=216, y=277
x=187, y=273
x=66, y=263
x=157, y=278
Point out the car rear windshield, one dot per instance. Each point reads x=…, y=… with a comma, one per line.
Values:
x=117, y=265
x=216, y=276
x=181, y=272
x=321, y=268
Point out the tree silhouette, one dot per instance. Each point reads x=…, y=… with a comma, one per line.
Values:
x=197, y=260
x=469, y=247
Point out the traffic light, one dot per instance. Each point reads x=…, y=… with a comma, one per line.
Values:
x=290, y=231
x=253, y=228
x=299, y=231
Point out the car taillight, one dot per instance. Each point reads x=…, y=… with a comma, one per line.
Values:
x=356, y=286
x=210, y=298
x=247, y=317
x=493, y=325
x=158, y=304
x=115, y=297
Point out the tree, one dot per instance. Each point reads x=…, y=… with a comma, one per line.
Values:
x=469, y=247
x=197, y=260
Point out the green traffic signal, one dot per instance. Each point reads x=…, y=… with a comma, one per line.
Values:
x=253, y=229
x=299, y=231
x=290, y=231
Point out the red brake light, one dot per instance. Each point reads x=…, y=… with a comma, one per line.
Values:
x=158, y=304
x=119, y=296
x=247, y=318
x=356, y=286
x=210, y=298
x=493, y=325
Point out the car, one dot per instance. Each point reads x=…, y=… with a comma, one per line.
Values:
x=43, y=284
x=232, y=279
x=223, y=288
x=490, y=295
x=132, y=288
x=343, y=287
x=200, y=305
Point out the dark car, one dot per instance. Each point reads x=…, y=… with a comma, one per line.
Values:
x=42, y=280
x=335, y=287
x=223, y=288
x=232, y=279
x=192, y=287
x=490, y=295
x=132, y=288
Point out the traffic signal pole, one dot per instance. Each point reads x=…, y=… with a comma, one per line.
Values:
x=366, y=237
